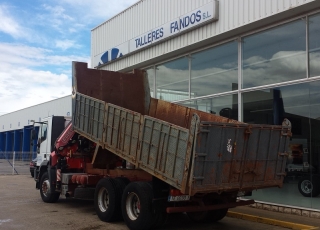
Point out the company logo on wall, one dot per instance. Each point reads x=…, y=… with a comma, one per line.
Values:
x=110, y=55
x=196, y=17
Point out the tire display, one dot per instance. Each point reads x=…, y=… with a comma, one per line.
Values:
x=309, y=186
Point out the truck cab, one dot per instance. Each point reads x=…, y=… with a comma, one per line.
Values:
x=49, y=130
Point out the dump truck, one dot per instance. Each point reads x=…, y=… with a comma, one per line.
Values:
x=140, y=158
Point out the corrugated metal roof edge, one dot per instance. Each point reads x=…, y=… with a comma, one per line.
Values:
x=117, y=14
x=261, y=24
x=34, y=105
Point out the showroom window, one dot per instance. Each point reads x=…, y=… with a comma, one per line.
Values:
x=271, y=106
x=151, y=79
x=275, y=55
x=215, y=70
x=226, y=106
x=283, y=62
x=172, y=80
x=314, y=45
x=300, y=104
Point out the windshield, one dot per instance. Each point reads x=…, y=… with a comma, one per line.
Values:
x=43, y=132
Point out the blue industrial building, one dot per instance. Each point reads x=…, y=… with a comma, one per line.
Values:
x=18, y=141
x=15, y=128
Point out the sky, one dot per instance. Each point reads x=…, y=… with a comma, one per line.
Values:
x=38, y=41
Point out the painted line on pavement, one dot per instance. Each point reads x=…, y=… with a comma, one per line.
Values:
x=269, y=221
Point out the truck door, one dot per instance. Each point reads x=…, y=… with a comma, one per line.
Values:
x=44, y=140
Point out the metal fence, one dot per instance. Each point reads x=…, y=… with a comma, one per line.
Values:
x=15, y=162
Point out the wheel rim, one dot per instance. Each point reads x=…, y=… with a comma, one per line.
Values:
x=45, y=187
x=103, y=199
x=306, y=186
x=133, y=206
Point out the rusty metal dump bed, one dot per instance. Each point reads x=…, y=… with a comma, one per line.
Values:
x=193, y=151
x=131, y=91
x=208, y=157
x=239, y=157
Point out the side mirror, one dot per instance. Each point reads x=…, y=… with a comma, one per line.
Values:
x=34, y=135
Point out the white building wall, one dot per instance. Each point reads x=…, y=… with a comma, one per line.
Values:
x=19, y=119
x=149, y=14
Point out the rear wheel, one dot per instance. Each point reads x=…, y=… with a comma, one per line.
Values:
x=161, y=217
x=45, y=191
x=216, y=215
x=107, y=200
x=198, y=216
x=122, y=183
x=137, y=206
x=209, y=216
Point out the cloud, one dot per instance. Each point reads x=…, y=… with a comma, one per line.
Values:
x=66, y=17
x=314, y=60
x=42, y=41
x=26, y=78
x=8, y=24
x=282, y=66
x=29, y=87
x=56, y=16
x=19, y=54
x=66, y=44
x=94, y=11
x=58, y=12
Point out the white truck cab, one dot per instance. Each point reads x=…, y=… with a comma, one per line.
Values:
x=49, y=130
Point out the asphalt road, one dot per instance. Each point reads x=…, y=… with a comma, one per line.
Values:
x=22, y=208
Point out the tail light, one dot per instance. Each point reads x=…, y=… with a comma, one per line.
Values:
x=175, y=192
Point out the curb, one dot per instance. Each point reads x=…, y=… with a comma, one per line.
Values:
x=269, y=221
x=299, y=211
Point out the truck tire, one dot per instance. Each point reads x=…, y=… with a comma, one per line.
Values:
x=216, y=215
x=137, y=206
x=122, y=182
x=107, y=200
x=308, y=186
x=198, y=216
x=209, y=216
x=45, y=192
x=160, y=219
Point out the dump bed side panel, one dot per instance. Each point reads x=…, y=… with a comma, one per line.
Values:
x=164, y=150
x=231, y=157
x=158, y=147
x=181, y=115
x=88, y=117
x=122, y=128
x=222, y=156
x=128, y=90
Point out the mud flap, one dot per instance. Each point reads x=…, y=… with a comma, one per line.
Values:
x=52, y=178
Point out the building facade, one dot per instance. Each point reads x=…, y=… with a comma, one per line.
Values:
x=256, y=61
x=15, y=128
